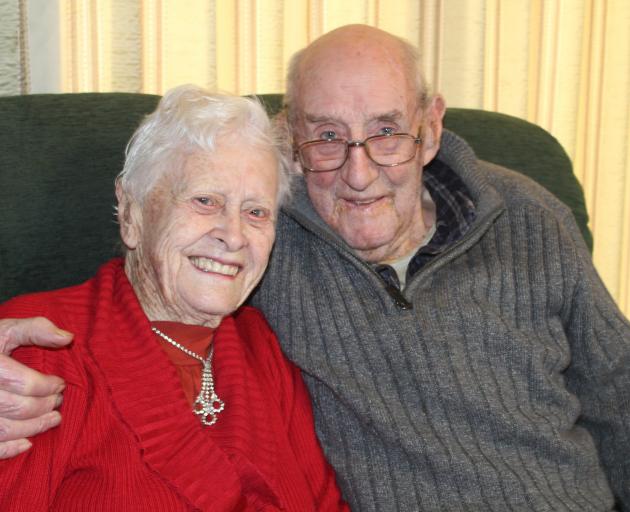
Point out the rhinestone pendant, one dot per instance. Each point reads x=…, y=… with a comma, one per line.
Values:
x=207, y=405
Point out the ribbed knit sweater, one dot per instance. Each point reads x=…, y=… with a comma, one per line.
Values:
x=505, y=387
x=129, y=440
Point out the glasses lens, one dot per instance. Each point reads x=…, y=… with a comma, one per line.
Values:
x=391, y=149
x=324, y=155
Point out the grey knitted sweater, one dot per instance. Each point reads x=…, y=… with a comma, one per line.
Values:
x=505, y=387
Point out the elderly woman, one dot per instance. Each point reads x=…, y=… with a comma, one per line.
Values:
x=176, y=399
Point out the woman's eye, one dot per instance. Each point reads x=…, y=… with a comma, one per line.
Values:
x=328, y=135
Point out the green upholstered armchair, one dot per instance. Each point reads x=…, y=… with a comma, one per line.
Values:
x=59, y=155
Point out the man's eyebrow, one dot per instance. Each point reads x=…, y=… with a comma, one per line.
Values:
x=392, y=115
x=313, y=118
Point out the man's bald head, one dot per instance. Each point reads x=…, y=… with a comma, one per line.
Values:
x=372, y=45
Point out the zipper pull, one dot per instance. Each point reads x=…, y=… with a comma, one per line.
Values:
x=399, y=299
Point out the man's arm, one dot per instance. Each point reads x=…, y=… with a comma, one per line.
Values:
x=599, y=373
x=27, y=398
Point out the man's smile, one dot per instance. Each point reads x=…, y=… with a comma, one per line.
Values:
x=362, y=203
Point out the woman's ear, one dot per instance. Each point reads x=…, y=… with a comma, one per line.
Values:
x=129, y=217
x=433, y=126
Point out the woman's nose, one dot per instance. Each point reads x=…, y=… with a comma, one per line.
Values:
x=229, y=230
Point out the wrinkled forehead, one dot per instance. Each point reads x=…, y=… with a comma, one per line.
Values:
x=228, y=168
x=355, y=88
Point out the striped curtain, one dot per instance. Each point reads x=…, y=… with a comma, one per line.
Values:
x=563, y=64
x=13, y=48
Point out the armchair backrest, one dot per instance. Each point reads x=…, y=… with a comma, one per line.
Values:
x=60, y=153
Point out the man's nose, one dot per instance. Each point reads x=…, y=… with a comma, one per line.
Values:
x=359, y=172
x=229, y=230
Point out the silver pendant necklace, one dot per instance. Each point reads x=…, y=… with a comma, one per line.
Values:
x=207, y=405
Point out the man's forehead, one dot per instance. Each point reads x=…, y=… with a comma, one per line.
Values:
x=335, y=116
x=356, y=98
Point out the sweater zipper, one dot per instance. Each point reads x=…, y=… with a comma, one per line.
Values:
x=400, y=301
x=396, y=295
x=467, y=239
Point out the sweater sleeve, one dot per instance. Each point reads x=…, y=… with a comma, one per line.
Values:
x=30, y=481
x=599, y=373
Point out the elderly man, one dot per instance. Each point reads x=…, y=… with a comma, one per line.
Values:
x=460, y=350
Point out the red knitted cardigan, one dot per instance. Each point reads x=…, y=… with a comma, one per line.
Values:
x=129, y=441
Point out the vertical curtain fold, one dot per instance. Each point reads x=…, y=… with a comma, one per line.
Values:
x=14, y=63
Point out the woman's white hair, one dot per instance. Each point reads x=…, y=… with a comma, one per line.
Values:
x=189, y=119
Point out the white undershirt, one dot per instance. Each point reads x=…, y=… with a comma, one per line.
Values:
x=400, y=265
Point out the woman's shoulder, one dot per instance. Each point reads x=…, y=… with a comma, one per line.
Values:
x=260, y=339
x=66, y=361
x=250, y=315
x=49, y=304
x=71, y=309
x=63, y=306
x=252, y=325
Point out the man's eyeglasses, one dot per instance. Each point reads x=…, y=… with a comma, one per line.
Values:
x=387, y=150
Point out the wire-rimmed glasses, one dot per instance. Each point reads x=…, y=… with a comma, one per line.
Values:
x=387, y=150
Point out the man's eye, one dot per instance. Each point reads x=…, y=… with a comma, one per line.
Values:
x=259, y=213
x=328, y=135
x=387, y=130
x=204, y=201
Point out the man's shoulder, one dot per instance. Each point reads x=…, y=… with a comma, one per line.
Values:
x=482, y=176
x=520, y=191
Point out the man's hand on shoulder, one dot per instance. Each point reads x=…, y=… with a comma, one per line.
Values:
x=27, y=398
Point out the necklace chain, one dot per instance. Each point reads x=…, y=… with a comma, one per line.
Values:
x=207, y=404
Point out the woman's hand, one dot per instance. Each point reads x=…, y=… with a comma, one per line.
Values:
x=27, y=398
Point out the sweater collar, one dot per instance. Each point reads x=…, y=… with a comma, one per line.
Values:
x=147, y=395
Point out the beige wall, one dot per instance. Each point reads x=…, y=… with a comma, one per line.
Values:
x=563, y=64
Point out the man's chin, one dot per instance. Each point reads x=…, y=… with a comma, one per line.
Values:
x=371, y=250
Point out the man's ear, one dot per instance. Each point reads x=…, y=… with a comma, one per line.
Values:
x=297, y=168
x=129, y=217
x=433, y=126
x=283, y=128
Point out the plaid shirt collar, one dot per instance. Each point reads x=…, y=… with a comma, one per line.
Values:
x=455, y=214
